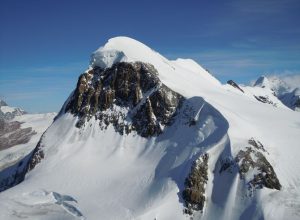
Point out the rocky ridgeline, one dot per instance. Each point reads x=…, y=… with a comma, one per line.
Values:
x=128, y=96
x=235, y=85
x=194, y=191
x=253, y=167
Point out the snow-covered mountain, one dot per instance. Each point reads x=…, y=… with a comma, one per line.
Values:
x=288, y=95
x=143, y=137
x=19, y=135
x=8, y=112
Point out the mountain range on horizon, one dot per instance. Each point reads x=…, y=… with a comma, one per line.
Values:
x=144, y=137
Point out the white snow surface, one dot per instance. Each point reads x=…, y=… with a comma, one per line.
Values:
x=113, y=176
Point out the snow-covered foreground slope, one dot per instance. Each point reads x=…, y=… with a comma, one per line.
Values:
x=135, y=166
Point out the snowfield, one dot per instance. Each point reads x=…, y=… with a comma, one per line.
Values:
x=91, y=173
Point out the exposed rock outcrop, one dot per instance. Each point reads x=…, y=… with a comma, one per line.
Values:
x=265, y=176
x=256, y=144
x=36, y=156
x=128, y=96
x=265, y=99
x=194, y=191
x=253, y=167
x=235, y=85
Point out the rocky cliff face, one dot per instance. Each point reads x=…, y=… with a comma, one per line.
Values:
x=253, y=167
x=195, y=184
x=128, y=96
x=235, y=85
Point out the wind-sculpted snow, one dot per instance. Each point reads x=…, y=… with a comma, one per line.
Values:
x=107, y=58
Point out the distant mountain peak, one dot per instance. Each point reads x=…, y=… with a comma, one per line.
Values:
x=285, y=93
x=2, y=103
x=7, y=112
x=262, y=81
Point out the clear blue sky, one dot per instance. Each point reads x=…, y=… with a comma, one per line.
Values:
x=46, y=44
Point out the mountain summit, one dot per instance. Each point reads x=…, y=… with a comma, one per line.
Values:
x=123, y=49
x=262, y=81
x=288, y=95
x=144, y=137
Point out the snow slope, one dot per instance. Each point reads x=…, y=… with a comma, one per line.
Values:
x=113, y=176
